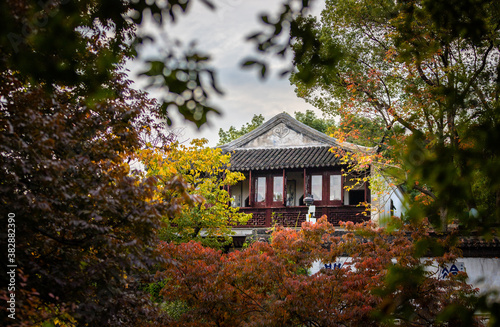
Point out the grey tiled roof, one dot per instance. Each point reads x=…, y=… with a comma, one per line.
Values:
x=479, y=242
x=320, y=138
x=278, y=158
x=312, y=148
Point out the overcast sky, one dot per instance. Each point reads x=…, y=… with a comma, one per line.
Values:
x=221, y=34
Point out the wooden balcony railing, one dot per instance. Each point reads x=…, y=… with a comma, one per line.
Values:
x=295, y=216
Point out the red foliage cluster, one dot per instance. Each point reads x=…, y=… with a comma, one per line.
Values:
x=268, y=284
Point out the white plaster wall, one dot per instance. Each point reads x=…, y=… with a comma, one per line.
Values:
x=245, y=191
x=317, y=265
x=381, y=208
x=396, y=196
x=381, y=204
x=483, y=273
x=281, y=136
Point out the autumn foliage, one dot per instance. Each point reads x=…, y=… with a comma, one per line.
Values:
x=84, y=225
x=268, y=284
x=204, y=211
x=427, y=73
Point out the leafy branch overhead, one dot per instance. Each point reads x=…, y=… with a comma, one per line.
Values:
x=428, y=72
x=68, y=43
x=185, y=84
x=273, y=40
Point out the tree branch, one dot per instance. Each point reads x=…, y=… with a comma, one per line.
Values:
x=422, y=74
x=425, y=191
x=477, y=72
x=72, y=242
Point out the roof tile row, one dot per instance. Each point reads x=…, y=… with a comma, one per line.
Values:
x=278, y=158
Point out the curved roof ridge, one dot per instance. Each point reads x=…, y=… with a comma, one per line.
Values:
x=298, y=126
x=301, y=146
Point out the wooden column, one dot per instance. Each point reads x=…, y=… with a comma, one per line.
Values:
x=250, y=199
x=269, y=213
x=342, y=187
x=305, y=185
x=366, y=191
x=284, y=187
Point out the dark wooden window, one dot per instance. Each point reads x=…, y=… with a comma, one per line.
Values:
x=269, y=190
x=278, y=189
x=356, y=196
x=317, y=187
x=260, y=191
x=335, y=187
x=326, y=187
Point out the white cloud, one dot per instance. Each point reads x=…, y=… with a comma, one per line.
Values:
x=222, y=34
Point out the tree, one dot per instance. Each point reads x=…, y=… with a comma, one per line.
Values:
x=310, y=119
x=206, y=172
x=268, y=284
x=232, y=133
x=84, y=226
x=431, y=76
x=84, y=222
x=359, y=130
x=48, y=42
x=69, y=122
x=429, y=70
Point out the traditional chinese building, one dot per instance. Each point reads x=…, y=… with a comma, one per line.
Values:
x=285, y=162
x=288, y=164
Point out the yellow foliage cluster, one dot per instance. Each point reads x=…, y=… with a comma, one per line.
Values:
x=204, y=205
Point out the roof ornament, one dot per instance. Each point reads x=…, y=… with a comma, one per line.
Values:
x=281, y=131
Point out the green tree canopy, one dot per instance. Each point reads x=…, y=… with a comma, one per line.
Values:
x=430, y=75
x=233, y=133
x=310, y=119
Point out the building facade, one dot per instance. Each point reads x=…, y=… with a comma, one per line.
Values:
x=285, y=162
x=288, y=164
